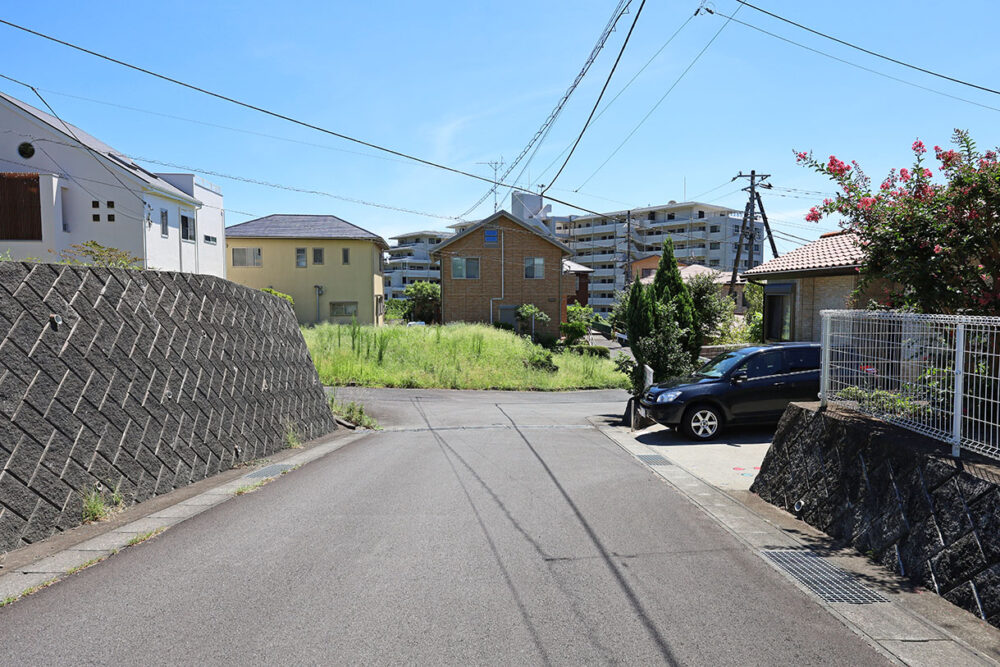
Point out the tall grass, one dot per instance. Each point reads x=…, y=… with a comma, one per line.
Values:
x=455, y=356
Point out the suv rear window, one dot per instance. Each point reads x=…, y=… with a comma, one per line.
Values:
x=800, y=359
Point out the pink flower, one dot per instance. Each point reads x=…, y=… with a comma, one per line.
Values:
x=928, y=173
x=938, y=249
x=813, y=215
x=827, y=202
x=904, y=174
x=837, y=167
x=866, y=203
x=799, y=157
x=918, y=147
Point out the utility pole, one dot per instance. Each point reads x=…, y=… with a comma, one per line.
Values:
x=749, y=217
x=497, y=165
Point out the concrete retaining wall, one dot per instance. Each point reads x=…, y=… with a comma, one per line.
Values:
x=894, y=495
x=141, y=382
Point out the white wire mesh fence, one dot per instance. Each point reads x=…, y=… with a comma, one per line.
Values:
x=934, y=374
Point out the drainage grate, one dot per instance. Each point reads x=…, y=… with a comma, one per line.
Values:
x=825, y=580
x=269, y=471
x=653, y=459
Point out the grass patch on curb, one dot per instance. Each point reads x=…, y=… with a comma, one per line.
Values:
x=353, y=413
x=454, y=356
x=142, y=537
x=27, y=591
x=248, y=488
x=84, y=566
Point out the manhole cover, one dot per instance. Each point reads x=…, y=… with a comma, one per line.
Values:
x=653, y=459
x=269, y=471
x=825, y=580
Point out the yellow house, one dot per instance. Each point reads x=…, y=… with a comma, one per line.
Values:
x=331, y=268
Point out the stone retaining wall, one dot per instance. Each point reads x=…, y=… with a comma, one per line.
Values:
x=140, y=382
x=895, y=496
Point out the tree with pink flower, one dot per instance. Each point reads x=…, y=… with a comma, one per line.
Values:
x=938, y=243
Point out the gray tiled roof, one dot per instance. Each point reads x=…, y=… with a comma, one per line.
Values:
x=281, y=226
x=99, y=147
x=833, y=251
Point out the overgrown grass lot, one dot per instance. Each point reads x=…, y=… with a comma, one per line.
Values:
x=454, y=356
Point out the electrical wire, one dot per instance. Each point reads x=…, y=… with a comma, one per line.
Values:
x=658, y=103
x=280, y=116
x=848, y=62
x=597, y=102
x=870, y=52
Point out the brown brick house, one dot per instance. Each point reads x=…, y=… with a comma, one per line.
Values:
x=498, y=264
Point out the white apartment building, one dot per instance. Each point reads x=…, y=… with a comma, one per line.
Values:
x=701, y=233
x=410, y=261
x=60, y=186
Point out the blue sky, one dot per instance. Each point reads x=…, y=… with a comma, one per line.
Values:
x=464, y=83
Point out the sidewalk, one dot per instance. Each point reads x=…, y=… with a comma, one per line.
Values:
x=901, y=620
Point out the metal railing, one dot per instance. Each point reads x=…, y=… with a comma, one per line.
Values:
x=938, y=375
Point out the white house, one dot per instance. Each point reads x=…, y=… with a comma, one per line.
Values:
x=410, y=261
x=60, y=186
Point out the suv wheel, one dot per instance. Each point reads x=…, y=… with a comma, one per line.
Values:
x=702, y=422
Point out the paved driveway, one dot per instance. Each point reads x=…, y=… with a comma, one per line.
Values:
x=479, y=527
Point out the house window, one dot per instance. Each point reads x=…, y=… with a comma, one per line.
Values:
x=534, y=267
x=713, y=262
x=300, y=258
x=187, y=228
x=714, y=246
x=345, y=256
x=164, y=223
x=317, y=255
x=20, y=208
x=96, y=217
x=670, y=216
x=736, y=229
x=491, y=238
x=465, y=268
x=701, y=214
x=211, y=240
x=713, y=229
x=651, y=216
x=647, y=273
x=111, y=204
x=343, y=309
x=111, y=217
x=247, y=257
x=778, y=313
x=95, y=204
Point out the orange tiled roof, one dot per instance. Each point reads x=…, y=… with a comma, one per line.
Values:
x=837, y=250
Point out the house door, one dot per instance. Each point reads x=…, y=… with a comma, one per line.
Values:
x=508, y=315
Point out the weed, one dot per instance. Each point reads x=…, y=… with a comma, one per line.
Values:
x=84, y=566
x=353, y=413
x=8, y=600
x=292, y=437
x=94, y=507
x=247, y=488
x=118, y=499
x=142, y=537
x=34, y=589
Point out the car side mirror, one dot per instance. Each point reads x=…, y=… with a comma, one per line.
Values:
x=738, y=377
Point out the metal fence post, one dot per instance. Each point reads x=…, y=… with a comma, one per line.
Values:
x=824, y=387
x=957, y=408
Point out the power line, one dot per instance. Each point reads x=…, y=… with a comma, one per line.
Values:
x=848, y=62
x=870, y=52
x=619, y=94
x=543, y=131
x=278, y=115
x=658, y=102
x=597, y=102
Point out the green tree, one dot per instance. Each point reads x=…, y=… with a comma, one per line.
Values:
x=92, y=253
x=668, y=287
x=579, y=320
x=424, y=301
x=713, y=309
x=529, y=313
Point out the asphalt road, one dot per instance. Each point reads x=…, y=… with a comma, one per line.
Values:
x=480, y=527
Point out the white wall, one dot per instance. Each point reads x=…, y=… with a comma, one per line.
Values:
x=197, y=256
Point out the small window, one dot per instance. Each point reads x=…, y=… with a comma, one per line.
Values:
x=713, y=229
x=534, y=268
x=343, y=309
x=211, y=240
x=164, y=223
x=701, y=214
x=247, y=257
x=111, y=204
x=465, y=268
x=96, y=217
x=300, y=258
x=25, y=150
x=345, y=256
x=111, y=217
x=317, y=255
x=491, y=238
x=651, y=216
x=187, y=228
x=670, y=216
x=95, y=204
x=714, y=246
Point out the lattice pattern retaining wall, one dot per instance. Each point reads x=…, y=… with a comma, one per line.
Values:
x=141, y=382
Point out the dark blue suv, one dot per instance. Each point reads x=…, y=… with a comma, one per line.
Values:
x=746, y=386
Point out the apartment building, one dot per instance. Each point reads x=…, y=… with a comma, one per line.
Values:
x=60, y=186
x=410, y=261
x=701, y=233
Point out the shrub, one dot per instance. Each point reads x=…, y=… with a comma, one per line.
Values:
x=573, y=331
x=280, y=295
x=395, y=309
x=540, y=359
x=591, y=350
x=503, y=326
x=423, y=301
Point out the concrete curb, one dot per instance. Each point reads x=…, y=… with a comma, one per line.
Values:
x=30, y=577
x=898, y=632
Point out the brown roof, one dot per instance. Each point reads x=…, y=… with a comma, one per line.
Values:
x=837, y=250
x=689, y=271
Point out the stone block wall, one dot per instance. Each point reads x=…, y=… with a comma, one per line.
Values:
x=140, y=382
x=894, y=495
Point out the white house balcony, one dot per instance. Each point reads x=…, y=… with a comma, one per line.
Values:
x=421, y=273
x=601, y=301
